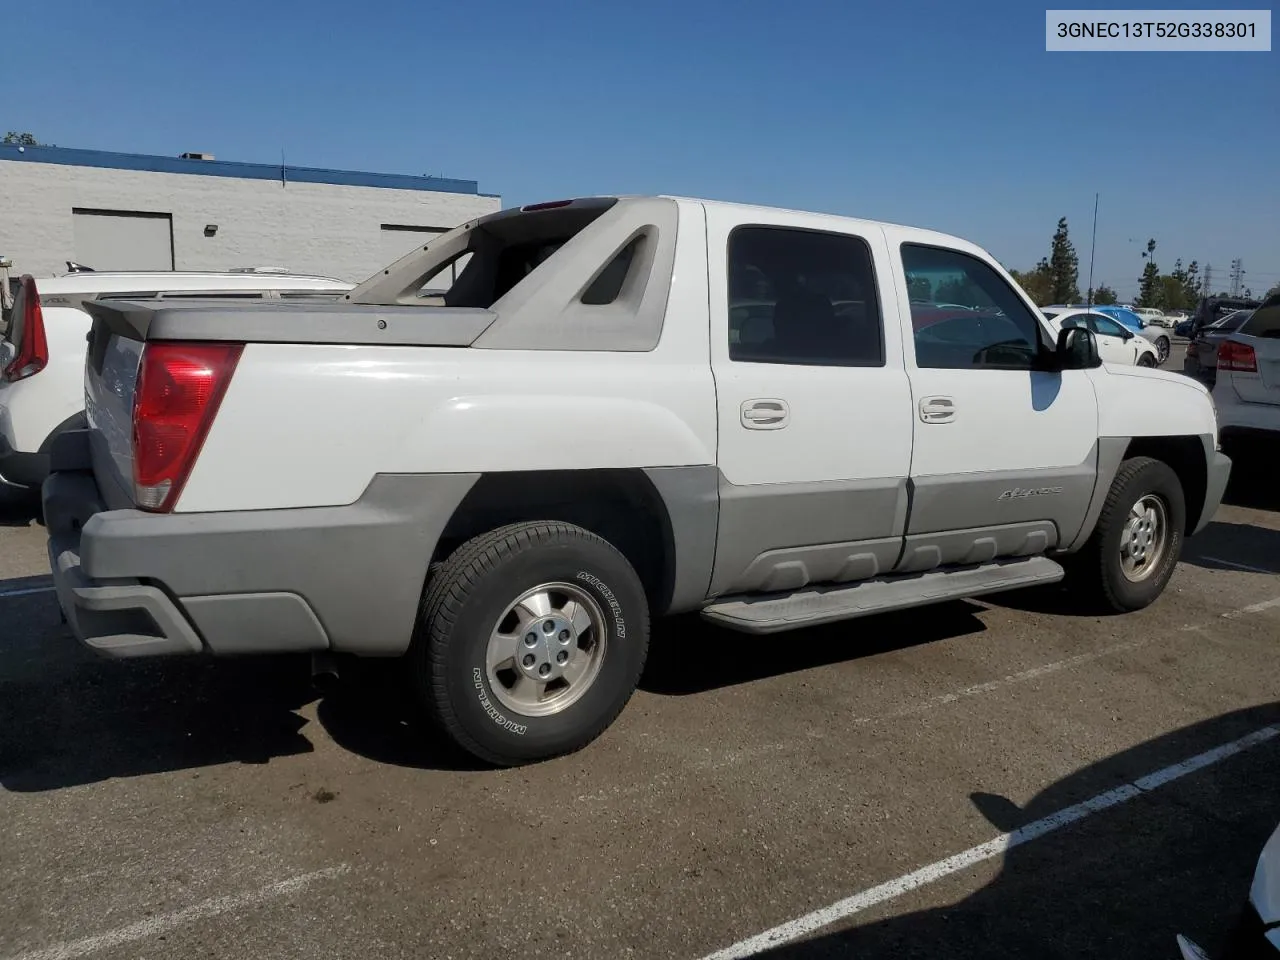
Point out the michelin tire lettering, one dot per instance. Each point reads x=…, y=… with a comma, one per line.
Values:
x=477, y=678
x=615, y=608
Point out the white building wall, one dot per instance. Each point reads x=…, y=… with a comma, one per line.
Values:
x=315, y=228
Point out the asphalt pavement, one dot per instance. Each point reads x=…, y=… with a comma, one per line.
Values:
x=890, y=787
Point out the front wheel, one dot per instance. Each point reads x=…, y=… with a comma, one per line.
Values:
x=1147, y=360
x=1131, y=554
x=531, y=640
x=1162, y=347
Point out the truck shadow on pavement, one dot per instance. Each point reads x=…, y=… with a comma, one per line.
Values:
x=688, y=655
x=1120, y=883
x=69, y=718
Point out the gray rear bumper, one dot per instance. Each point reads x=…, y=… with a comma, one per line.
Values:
x=345, y=578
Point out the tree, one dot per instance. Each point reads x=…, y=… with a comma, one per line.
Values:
x=1191, y=286
x=21, y=139
x=1149, y=287
x=1064, y=267
x=1037, y=283
x=919, y=288
x=1103, y=296
x=958, y=290
x=1274, y=290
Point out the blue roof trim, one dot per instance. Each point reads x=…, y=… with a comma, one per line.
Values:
x=103, y=159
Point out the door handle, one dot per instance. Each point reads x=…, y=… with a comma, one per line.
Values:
x=937, y=409
x=765, y=414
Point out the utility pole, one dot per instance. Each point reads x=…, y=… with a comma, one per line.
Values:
x=1206, y=289
x=1237, y=276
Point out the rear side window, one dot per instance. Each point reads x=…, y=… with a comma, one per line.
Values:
x=1265, y=321
x=972, y=318
x=803, y=297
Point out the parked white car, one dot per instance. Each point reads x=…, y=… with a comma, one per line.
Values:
x=43, y=350
x=621, y=408
x=1247, y=388
x=1256, y=932
x=1116, y=343
x=1152, y=317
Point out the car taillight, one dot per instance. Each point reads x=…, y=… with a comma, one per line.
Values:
x=179, y=388
x=33, y=348
x=1239, y=357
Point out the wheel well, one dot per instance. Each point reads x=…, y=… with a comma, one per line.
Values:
x=622, y=506
x=1185, y=455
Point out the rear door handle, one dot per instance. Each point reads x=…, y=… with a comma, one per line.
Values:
x=765, y=414
x=937, y=409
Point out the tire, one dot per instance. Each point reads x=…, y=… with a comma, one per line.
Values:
x=472, y=597
x=1147, y=360
x=1162, y=348
x=1097, y=570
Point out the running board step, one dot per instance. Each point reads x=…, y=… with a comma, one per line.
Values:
x=810, y=607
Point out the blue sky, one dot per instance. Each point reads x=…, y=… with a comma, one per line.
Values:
x=947, y=115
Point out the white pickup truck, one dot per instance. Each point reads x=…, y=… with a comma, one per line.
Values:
x=506, y=453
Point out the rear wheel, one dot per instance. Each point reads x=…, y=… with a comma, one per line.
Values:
x=530, y=642
x=1129, y=558
x=1162, y=348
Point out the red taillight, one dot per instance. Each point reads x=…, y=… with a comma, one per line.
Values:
x=1239, y=357
x=179, y=388
x=33, y=348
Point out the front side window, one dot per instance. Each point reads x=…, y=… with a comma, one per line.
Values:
x=1106, y=327
x=802, y=297
x=974, y=320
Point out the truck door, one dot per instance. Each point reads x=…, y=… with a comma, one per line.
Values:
x=813, y=402
x=1005, y=449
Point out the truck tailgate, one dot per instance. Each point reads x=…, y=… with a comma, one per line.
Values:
x=111, y=374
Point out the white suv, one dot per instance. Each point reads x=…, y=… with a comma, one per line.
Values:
x=42, y=351
x=1247, y=388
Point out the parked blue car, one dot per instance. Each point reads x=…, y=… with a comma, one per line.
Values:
x=1127, y=319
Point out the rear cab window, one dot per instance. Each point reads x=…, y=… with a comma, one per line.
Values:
x=1265, y=321
x=800, y=296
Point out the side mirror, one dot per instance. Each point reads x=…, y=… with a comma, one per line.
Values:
x=1077, y=349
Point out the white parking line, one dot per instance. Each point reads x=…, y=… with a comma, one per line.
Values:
x=1252, y=608
x=167, y=921
x=842, y=909
x=1238, y=566
x=25, y=591
x=1043, y=670
x=1053, y=667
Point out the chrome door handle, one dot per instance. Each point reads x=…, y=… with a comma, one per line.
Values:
x=765, y=414
x=937, y=409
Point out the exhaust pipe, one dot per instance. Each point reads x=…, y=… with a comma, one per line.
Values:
x=324, y=672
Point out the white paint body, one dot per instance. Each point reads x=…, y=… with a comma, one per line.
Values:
x=32, y=408
x=310, y=425
x=1264, y=893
